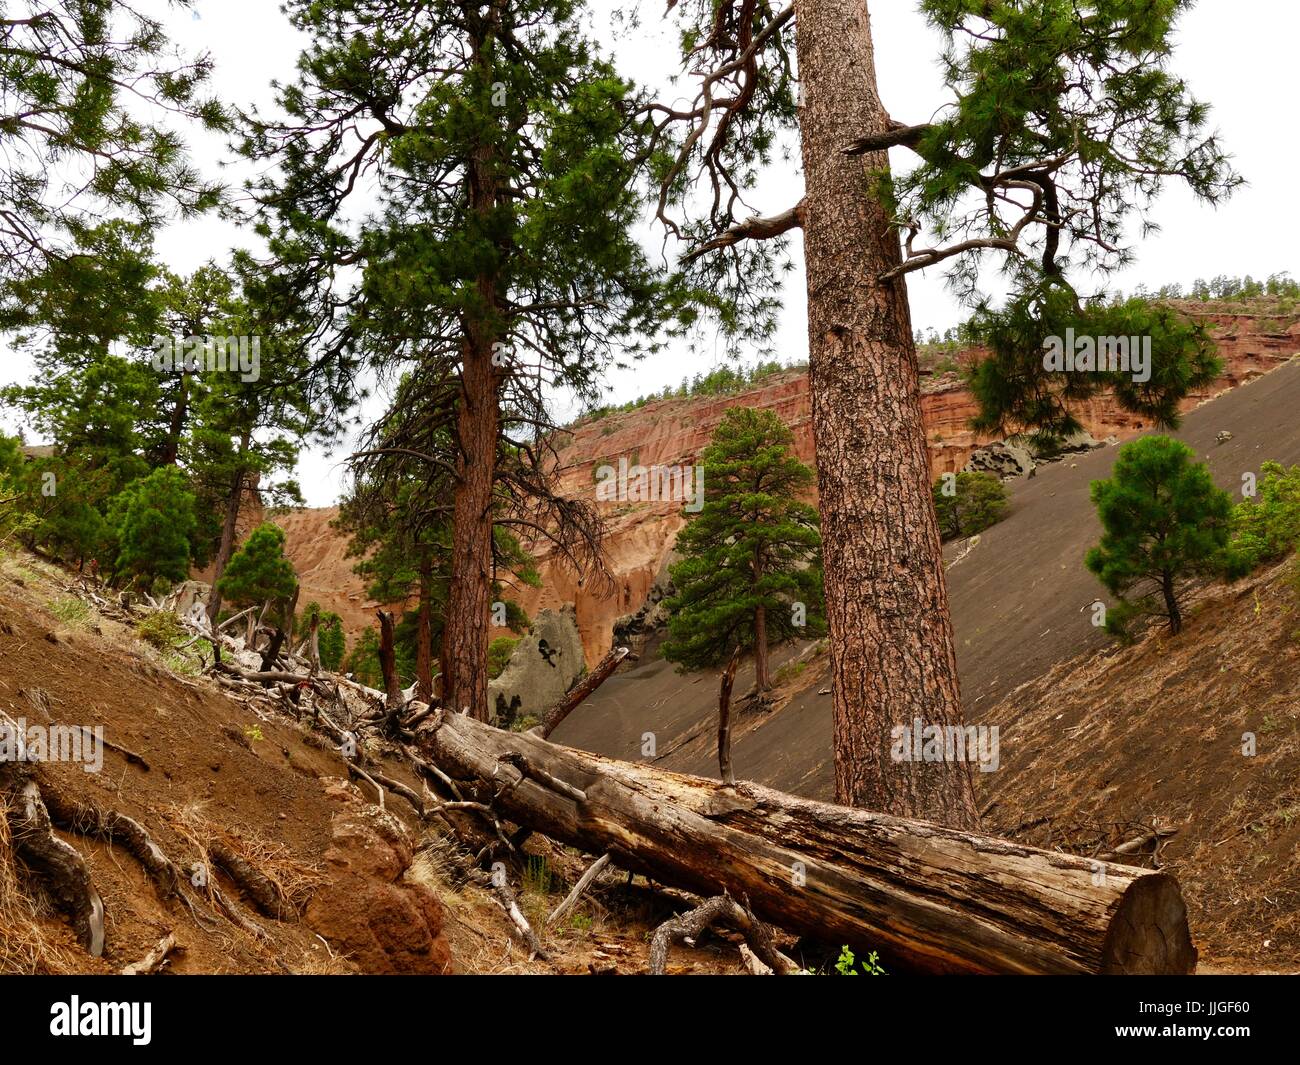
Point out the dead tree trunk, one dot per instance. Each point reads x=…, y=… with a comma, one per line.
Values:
x=581, y=691
x=933, y=899
x=394, y=700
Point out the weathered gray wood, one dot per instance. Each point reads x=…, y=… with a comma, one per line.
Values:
x=930, y=898
x=581, y=691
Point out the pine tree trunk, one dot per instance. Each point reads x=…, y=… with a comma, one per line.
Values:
x=227, y=548
x=1171, y=603
x=893, y=656
x=761, y=681
x=423, y=636
x=465, y=635
x=172, y=447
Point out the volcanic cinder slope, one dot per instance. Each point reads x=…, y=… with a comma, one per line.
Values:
x=1252, y=339
x=1020, y=601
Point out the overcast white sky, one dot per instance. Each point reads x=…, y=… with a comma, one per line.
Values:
x=1240, y=55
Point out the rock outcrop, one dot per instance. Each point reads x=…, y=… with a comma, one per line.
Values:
x=544, y=665
x=1003, y=460
x=368, y=909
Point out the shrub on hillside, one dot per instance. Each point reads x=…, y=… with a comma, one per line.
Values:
x=968, y=503
x=1164, y=520
x=162, y=629
x=499, y=653
x=153, y=520
x=1266, y=527
x=259, y=572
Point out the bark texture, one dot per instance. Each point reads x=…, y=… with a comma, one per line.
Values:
x=228, y=528
x=465, y=635
x=423, y=640
x=933, y=899
x=893, y=656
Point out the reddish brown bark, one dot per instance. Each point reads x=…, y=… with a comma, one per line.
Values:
x=227, y=548
x=465, y=634
x=893, y=657
x=424, y=633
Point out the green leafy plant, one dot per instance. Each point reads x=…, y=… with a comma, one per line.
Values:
x=968, y=503
x=849, y=965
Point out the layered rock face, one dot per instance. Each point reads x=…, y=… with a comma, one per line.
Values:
x=673, y=433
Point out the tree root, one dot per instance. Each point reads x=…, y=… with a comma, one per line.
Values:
x=88, y=819
x=65, y=873
x=257, y=887
x=720, y=910
x=155, y=960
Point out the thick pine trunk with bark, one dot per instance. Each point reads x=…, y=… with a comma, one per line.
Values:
x=893, y=656
x=423, y=635
x=465, y=635
x=228, y=528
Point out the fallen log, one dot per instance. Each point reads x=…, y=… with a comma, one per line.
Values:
x=933, y=899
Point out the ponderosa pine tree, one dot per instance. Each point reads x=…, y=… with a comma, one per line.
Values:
x=454, y=197
x=1064, y=117
x=750, y=573
x=1146, y=354
x=402, y=540
x=153, y=524
x=968, y=502
x=259, y=573
x=1163, y=520
x=401, y=559
x=76, y=140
